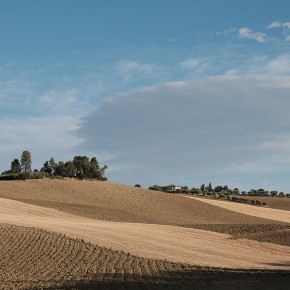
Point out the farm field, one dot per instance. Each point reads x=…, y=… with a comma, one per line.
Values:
x=172, y=240
x=37, y=259
x=273, y=202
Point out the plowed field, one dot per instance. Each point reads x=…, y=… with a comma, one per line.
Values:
x=178, y=244
x=35, y=259
x=102, y=220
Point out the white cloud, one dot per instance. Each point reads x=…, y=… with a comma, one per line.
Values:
x=275, y=24
x=278, y=24
x=263, y=65
x=248, y=33
x=190, y=63
x=132, y=69
x=205, y=127
x=42, y=136
x=226, y=32
x=287, y=38
x=279, y=65
x=197, y=65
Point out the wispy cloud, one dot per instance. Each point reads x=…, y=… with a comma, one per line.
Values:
x=226, y=32
x=248, y=33
x=128, y=69
x=190, y=63
x=171, y=39
x=277, y=24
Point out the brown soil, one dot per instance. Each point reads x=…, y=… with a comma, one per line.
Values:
x=177, y=244
x=35, y=259
x=246, y=209
x=273, y=202
x=115, y=202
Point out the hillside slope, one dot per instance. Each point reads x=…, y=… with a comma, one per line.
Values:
x=177, y=244
x=115, y=202
x=28, y=259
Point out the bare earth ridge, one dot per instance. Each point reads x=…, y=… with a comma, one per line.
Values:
x=177, y=244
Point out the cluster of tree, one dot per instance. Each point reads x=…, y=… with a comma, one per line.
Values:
x=19, y=169
x=80, y=167
x=219, y=190
x=262, y=192
x=204, y=190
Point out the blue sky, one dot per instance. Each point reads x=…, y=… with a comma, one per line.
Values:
x=184, y=92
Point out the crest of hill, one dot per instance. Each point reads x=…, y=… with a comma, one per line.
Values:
x=116, y=202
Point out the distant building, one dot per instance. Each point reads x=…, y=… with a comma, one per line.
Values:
x=174, y=187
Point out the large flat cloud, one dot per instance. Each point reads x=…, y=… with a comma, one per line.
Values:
x=225, y=128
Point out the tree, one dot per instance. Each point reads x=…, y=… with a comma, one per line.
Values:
x=202, y=188
x=236, y=191
x=209, y=188
x=52, y=164
x=15, y=166
x=26, y=162
x=46, y=168
x=274, y=192
x=218, y=188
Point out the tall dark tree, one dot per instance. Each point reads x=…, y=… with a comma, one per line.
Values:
x=15, y=166
x=26, y=162
x=209, y=188
x=46, y=168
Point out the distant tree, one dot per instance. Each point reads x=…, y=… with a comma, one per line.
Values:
x=274, y=192
x=137, y=185
x=209, y=188
x=69, y=169
x=202, y=188
x=218, y=188
x=82, y=165
x=52, y=164
x=281, y=194
x=59, y=168
x=15, y=166
x=225, y=188
x=46, y=168
x=155, y=187
x=26, y=162
x=236, y=191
